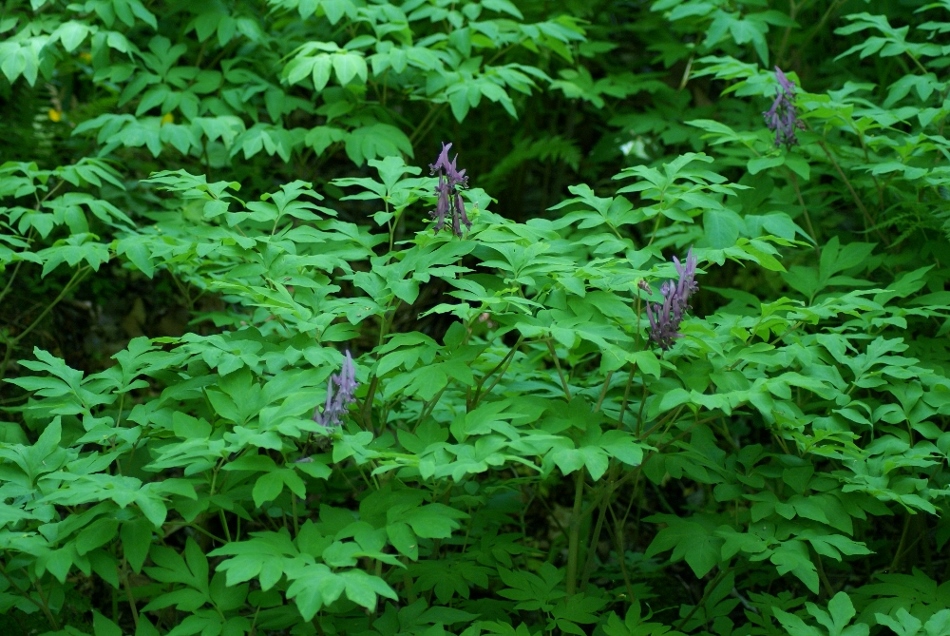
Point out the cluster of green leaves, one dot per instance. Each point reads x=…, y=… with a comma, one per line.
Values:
x=520, y=458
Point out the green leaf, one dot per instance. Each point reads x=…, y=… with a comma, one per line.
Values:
x=97, y=533
x=799, y=165
x=794, y=625
x=102, y=626
x=72, y=34
x=376, y=140
x=197, y=562
x=503, y=6
x=314, y=587
x=363, y=588
x=690, y=541
x=721, y=227
x=758, y=164
x=434, y=521
x=842, y=611
x=267, y=488
x=349, y=65
x=136, y=536
x=623, y=446
x=403, y=539
x=792, y=556
x=320, y=71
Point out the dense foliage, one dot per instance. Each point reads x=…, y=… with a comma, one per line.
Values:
x=658, y=345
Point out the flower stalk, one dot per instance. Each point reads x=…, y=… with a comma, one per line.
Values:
x=340, y=398
x=665, y=317
x=451, y=179
x=782, y=117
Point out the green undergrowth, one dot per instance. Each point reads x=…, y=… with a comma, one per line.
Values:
x=250, y=389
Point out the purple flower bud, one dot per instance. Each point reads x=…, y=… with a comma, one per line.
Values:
x=338, y=402
x=782, y=118
x=665, y=317
x=450, y=201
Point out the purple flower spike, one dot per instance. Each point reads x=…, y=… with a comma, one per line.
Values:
x=782, y=118
x=450, y=201
x=336, y=405
x=665, y=317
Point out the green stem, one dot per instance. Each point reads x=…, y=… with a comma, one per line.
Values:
x=900, y=547
x=45, y=605
x=815, y=30
x=424, y=125
x=505, y=362
x=429, y=406
x=801, y=202
x=621, y=549
x=13, y=342
x=603, y=392
x=560, y=373
x=574, y=536
x=829, y=590
x=227, y=531
x=128, y=592
x=13, y=274
x=604, y=504
x=792, y=12
x=366, y=410
x=709, y=589
x=869, y=222
x=43, y=608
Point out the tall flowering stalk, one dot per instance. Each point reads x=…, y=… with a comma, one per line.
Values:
x=450, y=201
x=339, y=400
x=665, y=317
x=782, y=118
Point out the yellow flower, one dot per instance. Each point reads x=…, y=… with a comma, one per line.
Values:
x=55, y=115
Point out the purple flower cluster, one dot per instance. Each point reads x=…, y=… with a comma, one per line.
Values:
x=450, y=201
x=665, y=317
x=336, y=405
x=782, y=118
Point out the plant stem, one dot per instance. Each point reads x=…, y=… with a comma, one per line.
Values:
x=603, y=391
x=574, y=536
x=870, y=223
x=13, y=342
x=801, y=202
x=128, y=592
x=829, y=590
x=598, y=526
x=560, y=373
x=504, y=362
x=45, y=605
x=900, y=546
x=709, y=589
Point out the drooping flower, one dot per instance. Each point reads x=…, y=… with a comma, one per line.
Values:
x=665, y=317
x=782, y=118
x=450, y=201
x=339, y=400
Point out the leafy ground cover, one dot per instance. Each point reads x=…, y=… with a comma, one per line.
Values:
x=476, y=318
